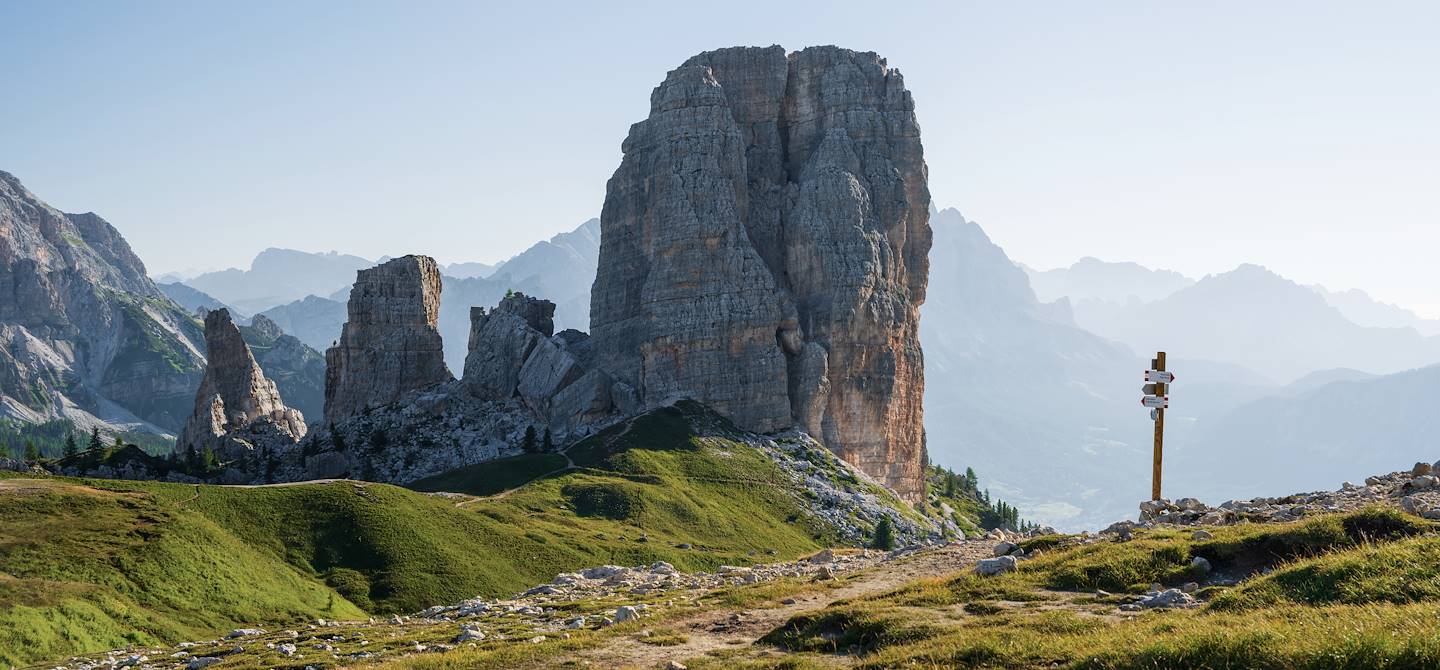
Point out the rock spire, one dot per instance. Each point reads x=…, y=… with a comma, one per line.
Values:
x=764, y=251
x=236, y=406
x=389, y=344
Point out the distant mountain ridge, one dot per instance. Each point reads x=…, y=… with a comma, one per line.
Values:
x=1016, y=388
x=1093, y=279
x=1256, y=318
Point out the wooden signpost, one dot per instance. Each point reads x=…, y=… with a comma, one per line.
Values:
x=1156, y=399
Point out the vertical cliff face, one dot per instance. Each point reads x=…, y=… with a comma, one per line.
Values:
x=235, y=399
x=389, y=344
x=764, y=248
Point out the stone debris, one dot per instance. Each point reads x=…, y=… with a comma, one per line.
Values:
x=1167, y=598
x=1414, y=491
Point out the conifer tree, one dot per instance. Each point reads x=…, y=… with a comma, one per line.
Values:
x=884, y=535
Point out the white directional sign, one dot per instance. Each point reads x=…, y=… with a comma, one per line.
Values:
x=1160, y=376
x=1155, y=401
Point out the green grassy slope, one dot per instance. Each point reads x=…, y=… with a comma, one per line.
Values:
x=1360, y=590
x=173, y=561
x=84, y=568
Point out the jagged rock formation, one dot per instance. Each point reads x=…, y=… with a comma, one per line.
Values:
x=84, y=334
x=236, y=406
x=390, y=344
x=764, y=251
x=514, y=353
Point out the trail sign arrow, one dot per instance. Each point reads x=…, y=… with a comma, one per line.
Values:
x=1155, y=401
x=1150, y=389
x=1160, y=376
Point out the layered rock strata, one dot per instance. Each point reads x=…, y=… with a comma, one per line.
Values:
x=236, y=406
x=763, y=251
x=389, y=344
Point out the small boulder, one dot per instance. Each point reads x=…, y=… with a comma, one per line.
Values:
x=1168, y=598
x=469, y=635
x=995, y=566
x=1200, y=564
x=626, y=613
x=1005, y=548
x=826, y=556
x=1201, y=535
x=200, y=662
x=1421, y=469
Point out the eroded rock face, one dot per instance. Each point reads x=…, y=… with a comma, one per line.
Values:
x=513, y=355
x=84, y=334
x=763, y=251
x=236, y=406
x=389, y=344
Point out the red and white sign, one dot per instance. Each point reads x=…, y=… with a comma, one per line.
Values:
x=1155, y=401
x=1160, y=376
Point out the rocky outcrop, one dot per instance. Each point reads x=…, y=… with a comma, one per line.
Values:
x=389, y=345
x=84, y=334
x=513, y=354
x=764, y=248
x=236, y=407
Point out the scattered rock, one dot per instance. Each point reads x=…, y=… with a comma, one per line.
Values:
x=1168, y=598
x=995, y=566
x=626, y=613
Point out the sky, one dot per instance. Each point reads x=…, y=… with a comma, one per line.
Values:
x=1303, y=136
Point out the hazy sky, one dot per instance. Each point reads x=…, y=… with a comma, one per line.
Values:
x=1304, y=136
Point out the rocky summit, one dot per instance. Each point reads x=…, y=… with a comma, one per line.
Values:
x=763, y=250
x=236, y=406
x=389, y=344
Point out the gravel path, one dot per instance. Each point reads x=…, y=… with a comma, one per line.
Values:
x=734, y=629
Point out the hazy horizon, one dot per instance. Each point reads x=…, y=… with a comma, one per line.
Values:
x=1294, y=135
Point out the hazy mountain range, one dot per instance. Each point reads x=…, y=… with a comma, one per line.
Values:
x=1038, y=389
x=1033, y=376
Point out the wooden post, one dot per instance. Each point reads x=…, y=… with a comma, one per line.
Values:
x=1158, y=364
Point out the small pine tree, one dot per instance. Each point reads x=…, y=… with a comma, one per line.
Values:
x=70, y=447
x=208, y=461
x=528, y=444
x=548, y=443
x=32, y=453
x=950, y=484
x=884, y=535
x=95, y=443
x=971, y=481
